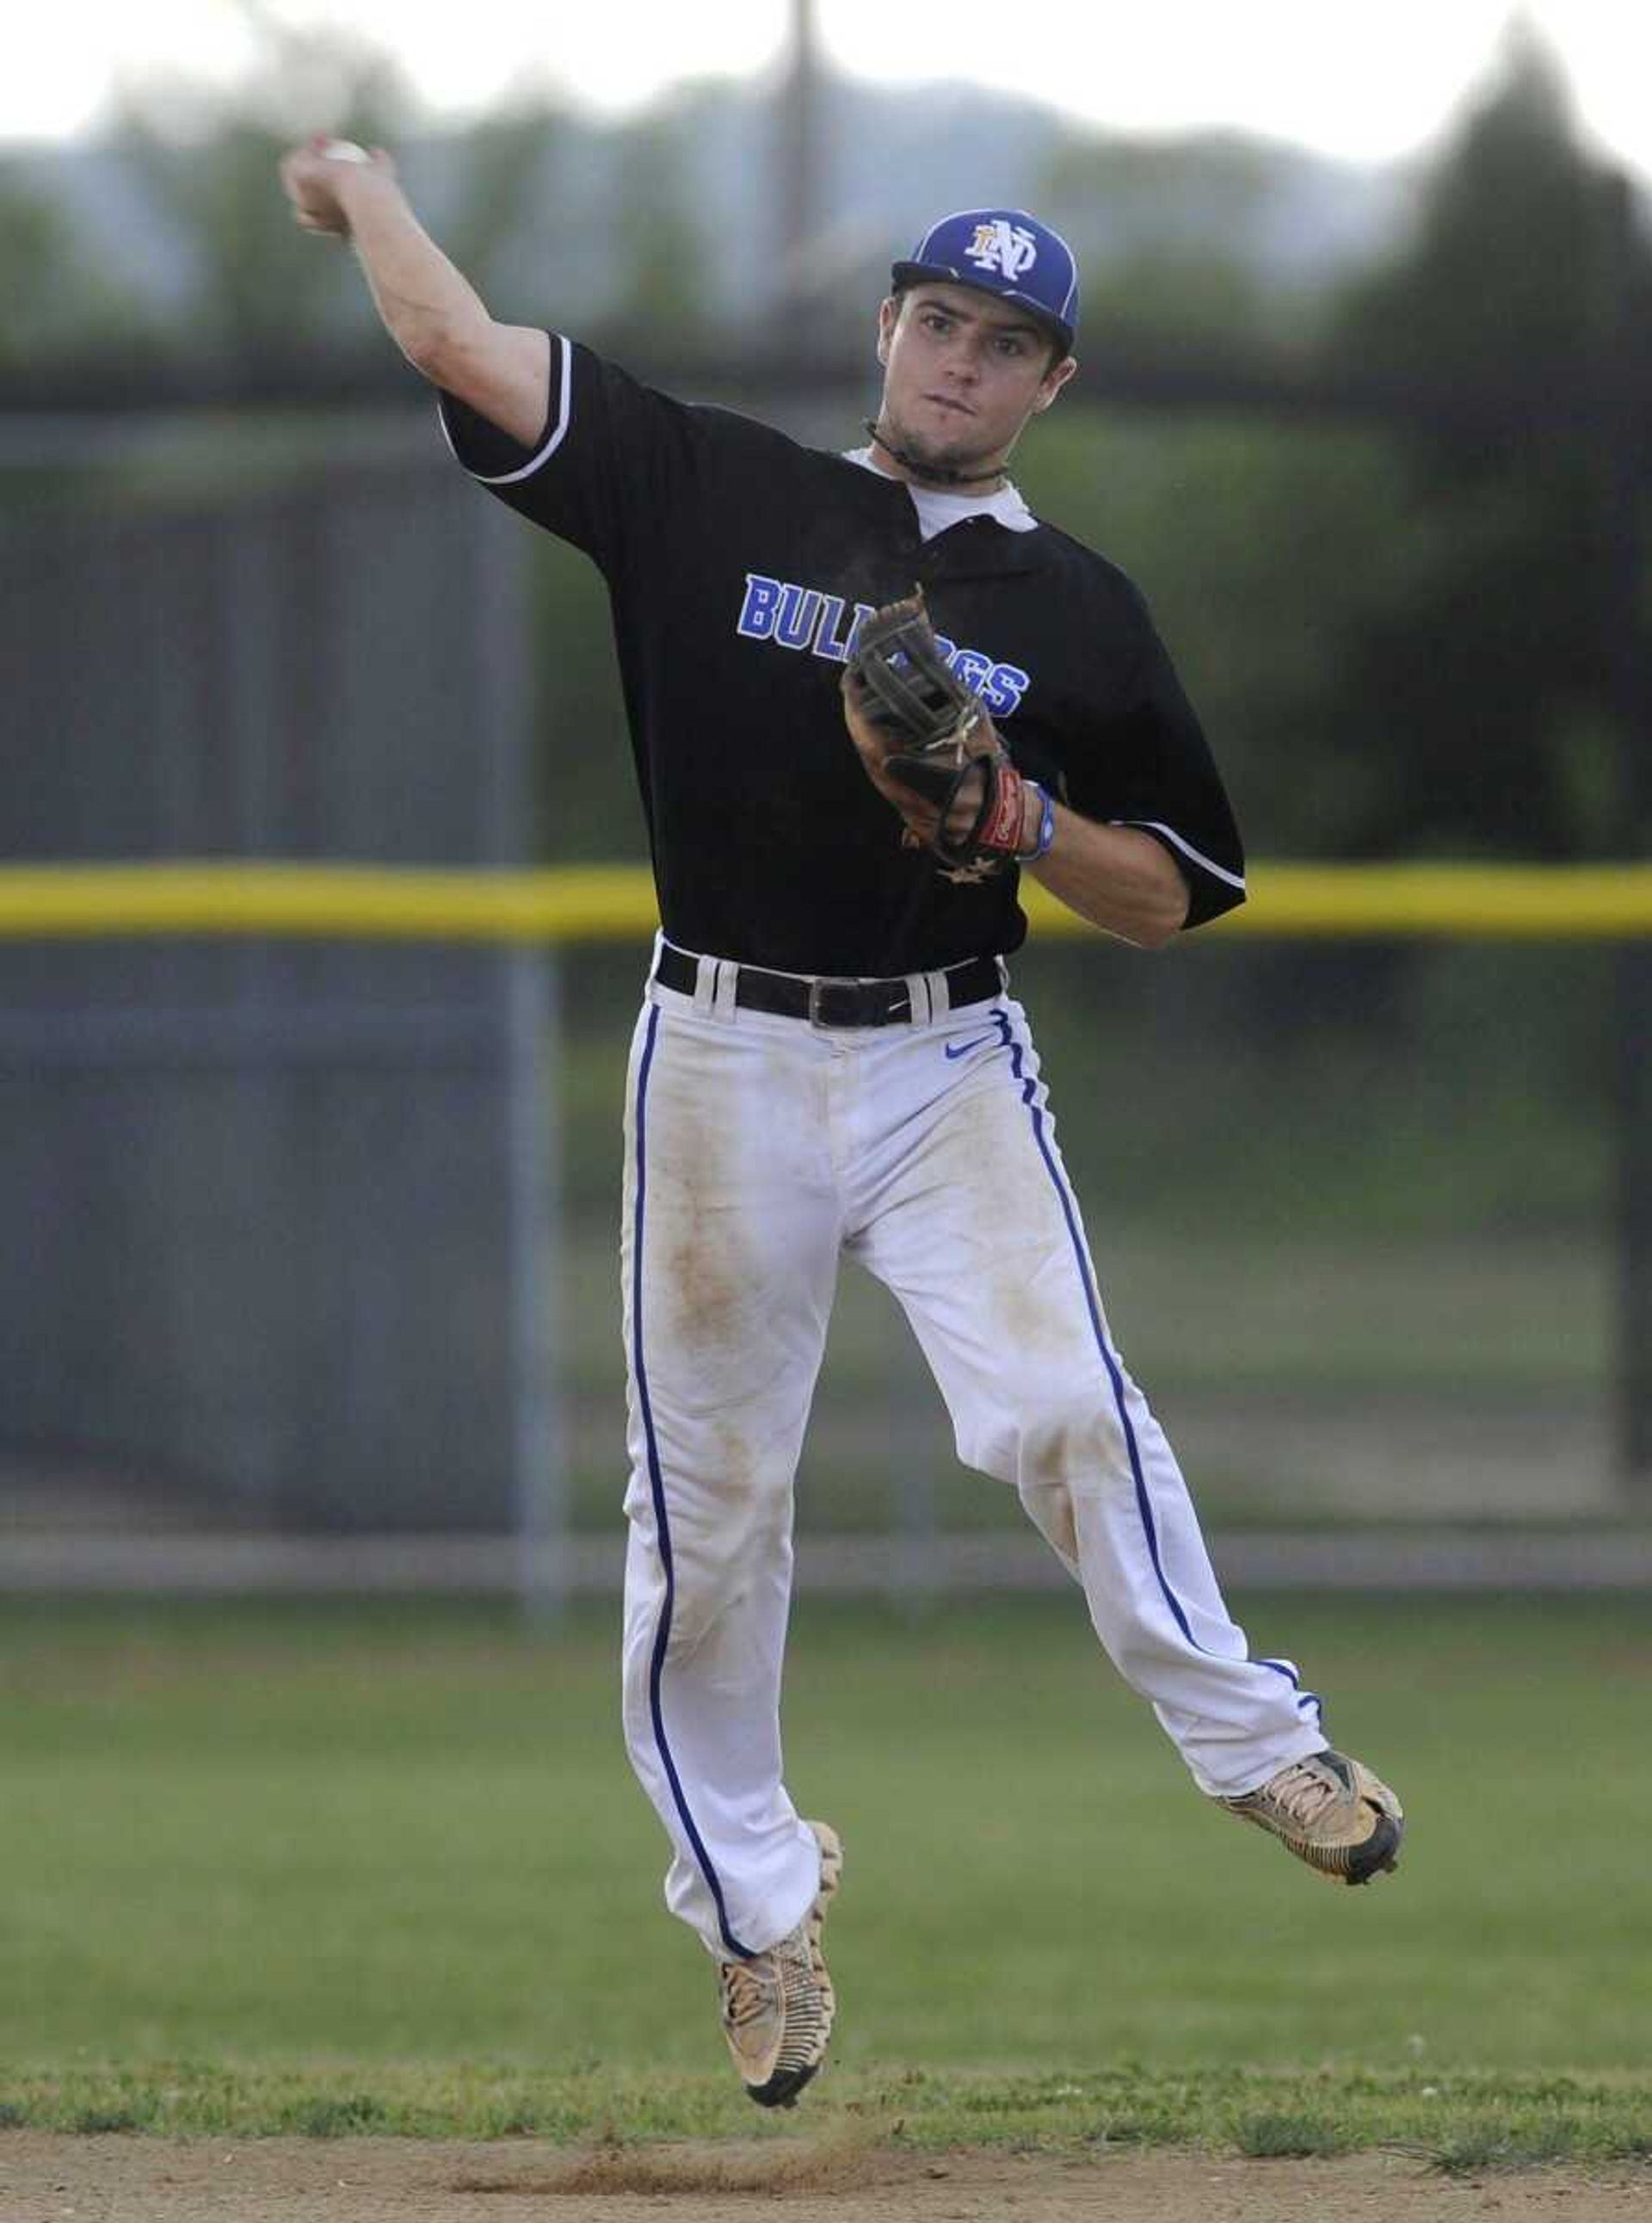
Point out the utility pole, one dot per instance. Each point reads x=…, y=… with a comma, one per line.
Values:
x=798, y=158
x=1623, y=482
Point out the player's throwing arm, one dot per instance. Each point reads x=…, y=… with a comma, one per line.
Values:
x=430, y=309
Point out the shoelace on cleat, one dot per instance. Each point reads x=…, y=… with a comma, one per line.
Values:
x=746, y=1993
x=1304, y=1793
x=788, y=1984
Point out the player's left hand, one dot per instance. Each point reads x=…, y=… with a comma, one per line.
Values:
x=874, y=745
x=929, y=747
x=922, y=819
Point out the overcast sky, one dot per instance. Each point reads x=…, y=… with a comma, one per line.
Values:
x=1365, y=82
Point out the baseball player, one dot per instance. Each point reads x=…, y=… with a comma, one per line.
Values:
x=865, y=691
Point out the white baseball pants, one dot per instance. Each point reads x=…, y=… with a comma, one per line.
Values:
x=758, y=1149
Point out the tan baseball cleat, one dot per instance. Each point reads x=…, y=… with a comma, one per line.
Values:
x=1332, y=1812
x=778, y=2006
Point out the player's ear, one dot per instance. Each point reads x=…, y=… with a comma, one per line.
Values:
x=1054, y=379
x=888, y=315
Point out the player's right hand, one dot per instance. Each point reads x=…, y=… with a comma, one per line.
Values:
x=314, y=181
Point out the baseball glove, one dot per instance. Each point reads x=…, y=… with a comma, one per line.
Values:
x=929, y=747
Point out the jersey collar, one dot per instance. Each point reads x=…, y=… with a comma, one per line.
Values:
x=938, y=511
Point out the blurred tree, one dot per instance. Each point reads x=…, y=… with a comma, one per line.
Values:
x=1202, y=238
x=587, y=809
x=57, y=295
x=507, y=198
x=498, y=195
x=204, y=159
x=661, y=255
x=1469, y=711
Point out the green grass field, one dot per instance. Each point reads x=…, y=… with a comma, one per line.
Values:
x=329, y=1868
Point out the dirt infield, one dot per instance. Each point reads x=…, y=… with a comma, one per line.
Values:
x=45, y=2179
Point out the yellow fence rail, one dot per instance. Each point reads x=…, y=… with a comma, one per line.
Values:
x=606, y=903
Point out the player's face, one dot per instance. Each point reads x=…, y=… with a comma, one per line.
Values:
x=963, y=373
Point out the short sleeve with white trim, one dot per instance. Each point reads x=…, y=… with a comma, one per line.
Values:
x=1148, y=764
x=612, y=451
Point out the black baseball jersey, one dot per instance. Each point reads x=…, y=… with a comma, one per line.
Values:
x=738, y=563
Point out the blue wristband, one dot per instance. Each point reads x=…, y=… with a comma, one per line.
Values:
x=1046, y=825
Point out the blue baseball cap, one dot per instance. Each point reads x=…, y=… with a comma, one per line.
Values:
x=1003, y=251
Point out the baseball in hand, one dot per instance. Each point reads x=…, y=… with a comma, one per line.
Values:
x=312, y=184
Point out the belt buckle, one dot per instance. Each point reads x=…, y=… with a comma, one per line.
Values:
x=860, y=1003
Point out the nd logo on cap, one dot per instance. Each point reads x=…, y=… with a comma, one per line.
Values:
x=1001, y=245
